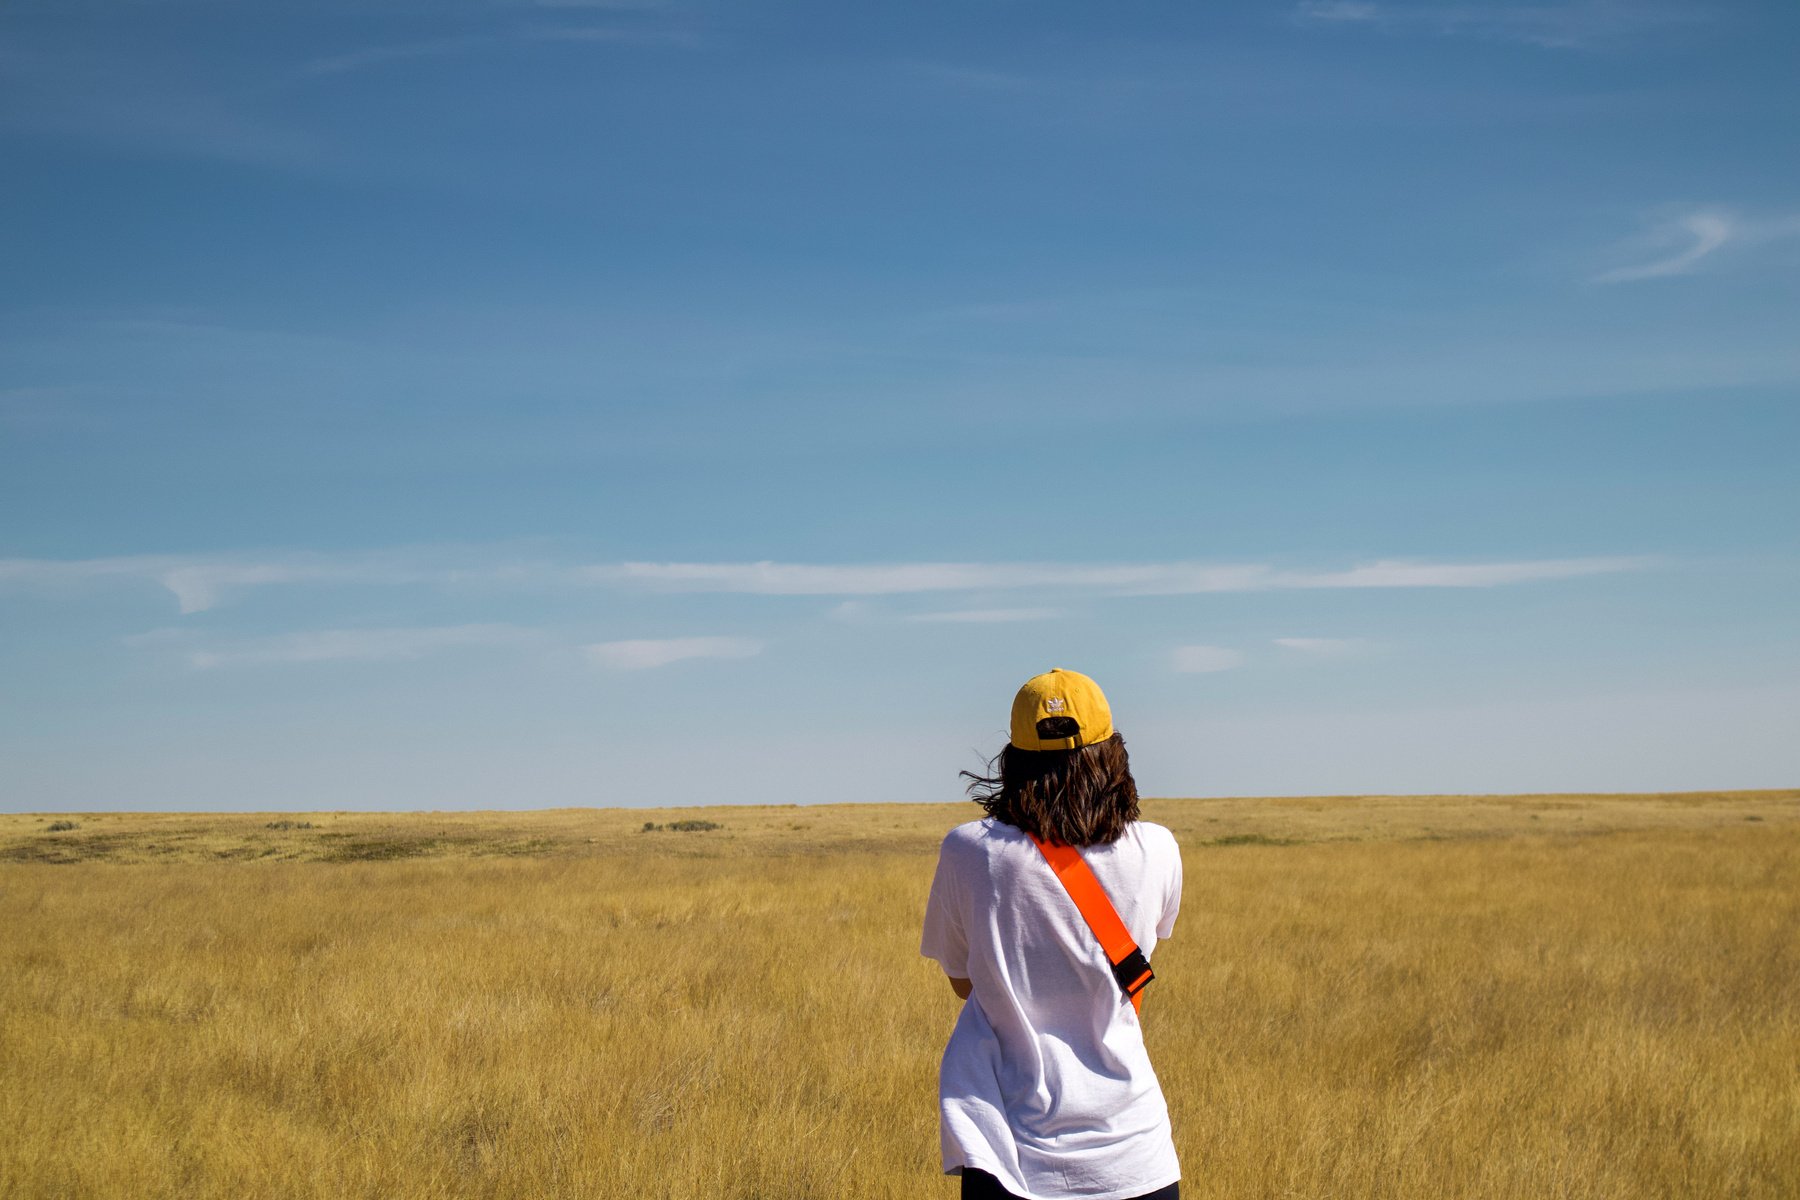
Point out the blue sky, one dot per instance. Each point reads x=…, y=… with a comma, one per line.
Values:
x=517, y=405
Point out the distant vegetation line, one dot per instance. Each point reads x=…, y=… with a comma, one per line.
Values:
x=343, y=836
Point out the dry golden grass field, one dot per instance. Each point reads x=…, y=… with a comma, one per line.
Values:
x=1508, y=997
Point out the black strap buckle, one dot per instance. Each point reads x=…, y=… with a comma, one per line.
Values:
x=1133, y=972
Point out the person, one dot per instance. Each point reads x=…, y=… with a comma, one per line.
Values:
x=1046, y=1090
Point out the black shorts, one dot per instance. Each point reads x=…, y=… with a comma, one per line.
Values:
x=979, y=1185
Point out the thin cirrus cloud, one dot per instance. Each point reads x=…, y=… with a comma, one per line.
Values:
x=127, y=102
x=1701, y=234
x=645, y=653
x=1682, y=244
x=985, y=616
x=338, y=645
x=198, y=584
x=391, y=644
x=1337, y=12
x=1572, y=25
x=1148, y=579
x=1320, y=647
x=202, y=583
x=366, y=57
x=1204, y=659
x=620, y=6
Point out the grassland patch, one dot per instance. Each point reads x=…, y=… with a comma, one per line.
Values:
x=519, y=1005
x=87, y=847
x=355, y=849
x=1252, y=839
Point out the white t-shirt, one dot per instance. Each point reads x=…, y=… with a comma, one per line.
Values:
x=1045, y=1083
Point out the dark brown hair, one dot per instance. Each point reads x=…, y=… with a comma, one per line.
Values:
x=1080, y=797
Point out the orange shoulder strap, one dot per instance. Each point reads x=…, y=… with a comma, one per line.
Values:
x=1129, y=965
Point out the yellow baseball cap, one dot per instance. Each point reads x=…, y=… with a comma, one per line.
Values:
x=1060, y=710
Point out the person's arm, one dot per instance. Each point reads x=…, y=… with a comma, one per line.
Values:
x=1171, y=892
x=943, y=938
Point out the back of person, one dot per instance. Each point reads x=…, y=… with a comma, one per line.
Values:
x=1046, y=1084
x=1047, y=1062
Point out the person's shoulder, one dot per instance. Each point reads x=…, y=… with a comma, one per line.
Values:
x=1157, y=836
x=980, y=839
x=968, y=834
x=966, y=849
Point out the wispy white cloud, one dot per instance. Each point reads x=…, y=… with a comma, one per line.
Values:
x=800, y=579
x=613, y=34
x=812, y=579
x=198, y=588
x=1331, y=11
x=644, y=653
x=146, y=105
x=389, y=644
x=1204, y=659
x=1702, y=233
x=1402, y=573
x=1680, y=244
x=1329, y=647
x=199, y=583
x=983, y=616
x=335, y=645
x=605, y=5
x=202, y=582
x=370, y=56
x=862, y=612
x=1565, y=25
x=365, y=57
x=851, y=612
x=49, y=574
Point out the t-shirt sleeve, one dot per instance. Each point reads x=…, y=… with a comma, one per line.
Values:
x=945, y=938
x=1171, y=892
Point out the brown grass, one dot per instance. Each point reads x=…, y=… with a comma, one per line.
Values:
x=1366, y=997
